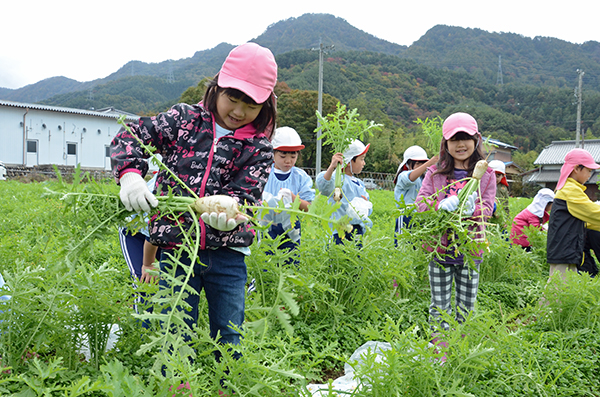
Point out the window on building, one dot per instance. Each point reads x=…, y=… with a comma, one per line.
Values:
x=106, y=151
x=71, y=149
x=32, y=146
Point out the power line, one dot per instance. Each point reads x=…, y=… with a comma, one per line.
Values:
x=578, y=94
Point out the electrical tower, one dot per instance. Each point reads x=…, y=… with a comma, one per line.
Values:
x=499, y=80
x=322, y=49
x=170, y=78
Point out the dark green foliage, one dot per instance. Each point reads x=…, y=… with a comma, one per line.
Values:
x=449, y=69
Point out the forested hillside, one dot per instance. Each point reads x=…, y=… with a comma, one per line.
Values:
x=447, y=70
x=538, y=61
x=396, y=92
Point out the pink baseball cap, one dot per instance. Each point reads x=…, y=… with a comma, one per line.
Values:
x=459, y=122
x=574, y=158
x=251, y=69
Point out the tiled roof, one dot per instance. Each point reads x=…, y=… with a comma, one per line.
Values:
x=552, y=176
x=555, y=153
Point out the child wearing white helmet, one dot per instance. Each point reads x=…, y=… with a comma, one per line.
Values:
x=501, y=211
x=355, y=198
x=409, y=178
x=286, y=182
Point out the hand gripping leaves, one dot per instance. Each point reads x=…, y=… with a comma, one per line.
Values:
x=339, y=130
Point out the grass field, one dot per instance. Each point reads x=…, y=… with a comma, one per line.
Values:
x=303, y=322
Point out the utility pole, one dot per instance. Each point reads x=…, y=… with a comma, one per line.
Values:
x=578, y=95
x=322, y=49
x=499, y=79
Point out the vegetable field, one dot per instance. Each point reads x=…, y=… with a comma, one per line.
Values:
x=70, y=288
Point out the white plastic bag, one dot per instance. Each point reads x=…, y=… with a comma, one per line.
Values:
x=348, y=383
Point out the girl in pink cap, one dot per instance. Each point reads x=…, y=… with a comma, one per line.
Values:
x=218, y=146
x=572, y=212
x=459, y=153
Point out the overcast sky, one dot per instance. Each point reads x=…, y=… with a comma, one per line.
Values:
x=89, y=40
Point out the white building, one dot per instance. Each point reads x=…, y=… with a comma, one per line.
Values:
x=32, y=134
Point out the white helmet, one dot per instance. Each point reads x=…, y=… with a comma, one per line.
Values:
x=286, y=139
x=497, y=166
x=413, y=153
x=356, y=148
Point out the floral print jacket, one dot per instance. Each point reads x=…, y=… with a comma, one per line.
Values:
x=236, y=165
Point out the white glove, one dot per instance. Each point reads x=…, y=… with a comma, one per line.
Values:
x=470, y=204
x=359, y=208
x=135, y=194
x=285, y=194
x=220, y=222
x=449, y=204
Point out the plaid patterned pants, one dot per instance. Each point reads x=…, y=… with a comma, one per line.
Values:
x=466, y=282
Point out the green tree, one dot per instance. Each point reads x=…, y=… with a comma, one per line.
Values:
x=297, y=109
x=525, y=160
x=194, y=94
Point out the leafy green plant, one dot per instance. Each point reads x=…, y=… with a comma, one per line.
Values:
x=432, y=128
x=339, y=130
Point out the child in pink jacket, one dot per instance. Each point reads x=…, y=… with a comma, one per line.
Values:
x=460, y=151
x=535, y=214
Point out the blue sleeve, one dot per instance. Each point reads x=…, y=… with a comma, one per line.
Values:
x=306, y=190
x=325, y=186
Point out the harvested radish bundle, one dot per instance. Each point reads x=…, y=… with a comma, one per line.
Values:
x=440, y=232
x=218, y=203
x=111, y=210
x=339, y=130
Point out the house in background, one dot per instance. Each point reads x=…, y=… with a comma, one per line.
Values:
x=551, y=159
x=503, y=152
x=33, y=134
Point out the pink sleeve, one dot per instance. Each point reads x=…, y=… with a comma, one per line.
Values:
x=125, y=171
x=423, y=199
x=488, y=194
x=534, y=221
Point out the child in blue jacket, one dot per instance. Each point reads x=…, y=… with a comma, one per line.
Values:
x=355, y=199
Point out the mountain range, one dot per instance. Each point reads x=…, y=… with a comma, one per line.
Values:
x=521, y=90
x=539, y=61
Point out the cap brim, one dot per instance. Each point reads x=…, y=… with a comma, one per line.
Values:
x=592, y=166
x=449, y=134
x=364, y=151
x=258, y=94
x=289, y=148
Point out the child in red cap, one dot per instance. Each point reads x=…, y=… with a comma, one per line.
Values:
x=572, y=212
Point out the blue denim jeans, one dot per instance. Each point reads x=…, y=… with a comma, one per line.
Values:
x=222, y=275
